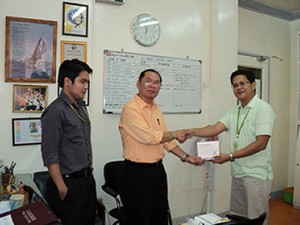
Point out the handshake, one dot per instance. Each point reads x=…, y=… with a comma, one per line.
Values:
x=181, y=135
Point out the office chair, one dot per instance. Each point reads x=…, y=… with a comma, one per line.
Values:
x=239, y=220
x=112, y=175
x=41, y=178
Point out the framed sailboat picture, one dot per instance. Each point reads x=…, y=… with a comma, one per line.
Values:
x=30, y=50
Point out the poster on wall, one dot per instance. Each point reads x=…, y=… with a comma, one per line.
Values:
x=30, y=50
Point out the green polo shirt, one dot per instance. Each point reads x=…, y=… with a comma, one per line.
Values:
x=259, y=121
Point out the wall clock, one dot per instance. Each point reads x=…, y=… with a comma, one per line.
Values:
x=145, y=29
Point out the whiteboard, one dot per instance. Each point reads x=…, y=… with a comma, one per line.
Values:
x=181, y=81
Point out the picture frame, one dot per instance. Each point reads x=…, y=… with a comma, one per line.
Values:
x=73, y=50
x=75, y=19
x=30, y=50
x=29, y=98
x=26, y=131
x=86, y=97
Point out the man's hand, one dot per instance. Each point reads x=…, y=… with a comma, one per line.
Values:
x=181, y=135
x=63, y=192
x=220, y=159
x=195, y=160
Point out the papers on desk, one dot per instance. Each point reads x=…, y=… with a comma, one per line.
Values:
x=7, y=220
x=206, y=219
x=4, y=207
x=208, y=149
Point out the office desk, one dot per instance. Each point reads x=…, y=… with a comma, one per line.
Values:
x=35, y=213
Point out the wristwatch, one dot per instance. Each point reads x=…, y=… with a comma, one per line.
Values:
x=231, y=159
x=184, y=157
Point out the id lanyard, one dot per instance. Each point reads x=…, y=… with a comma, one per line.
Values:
x=78, y=114
x=238, y=129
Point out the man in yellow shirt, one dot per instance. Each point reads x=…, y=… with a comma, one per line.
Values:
x=144, y=136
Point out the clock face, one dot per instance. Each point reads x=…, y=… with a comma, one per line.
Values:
x=145, y=29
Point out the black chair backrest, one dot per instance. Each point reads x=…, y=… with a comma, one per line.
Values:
x=257, y=221
x=237, y=220
x=40, y=179
x=112, y=174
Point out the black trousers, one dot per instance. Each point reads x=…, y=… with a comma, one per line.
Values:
x=79, y=206
x=144, y=194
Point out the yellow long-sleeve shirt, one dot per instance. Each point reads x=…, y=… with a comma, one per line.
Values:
x=141, y=127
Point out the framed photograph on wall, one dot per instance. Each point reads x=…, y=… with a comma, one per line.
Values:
x=29, y=98
x=30, y=50
x=73, y=50
x=26, y=131
x=75, y=19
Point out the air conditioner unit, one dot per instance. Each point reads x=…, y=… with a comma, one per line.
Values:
x=112, y=2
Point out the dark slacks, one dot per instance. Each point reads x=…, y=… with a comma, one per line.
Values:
x=79, y=206
x=144, y=194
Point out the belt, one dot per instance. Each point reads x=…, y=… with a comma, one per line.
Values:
x=144, y=165
x=78, y=174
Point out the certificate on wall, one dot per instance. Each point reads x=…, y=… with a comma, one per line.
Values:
x=26, y=131
x=208, y=149
x=73, y=50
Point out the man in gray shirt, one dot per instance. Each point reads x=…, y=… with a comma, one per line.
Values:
x=66, y=148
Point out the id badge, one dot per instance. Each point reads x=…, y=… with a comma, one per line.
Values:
x=235, y=146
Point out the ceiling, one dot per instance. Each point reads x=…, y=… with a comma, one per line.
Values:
x=284, y=9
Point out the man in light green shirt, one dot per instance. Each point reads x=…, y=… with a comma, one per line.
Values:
x=250, y=125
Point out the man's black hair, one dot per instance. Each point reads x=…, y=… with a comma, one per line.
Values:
x=247, y=73
x=71, y=69
x=142, y=74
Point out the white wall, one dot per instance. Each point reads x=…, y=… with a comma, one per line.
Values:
x=269, y=36
x=186, y=31
x=200, y=29
x=294, y=122
x=295, y=29
x=224, y=40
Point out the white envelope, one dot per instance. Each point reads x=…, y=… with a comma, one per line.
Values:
x=208, y=149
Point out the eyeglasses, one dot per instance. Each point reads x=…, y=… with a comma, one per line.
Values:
x=151, y=83
x=241, y=83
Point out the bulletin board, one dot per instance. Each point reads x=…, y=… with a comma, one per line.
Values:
x=181, y=81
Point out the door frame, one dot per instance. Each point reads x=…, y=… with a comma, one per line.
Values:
x=262, y=62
